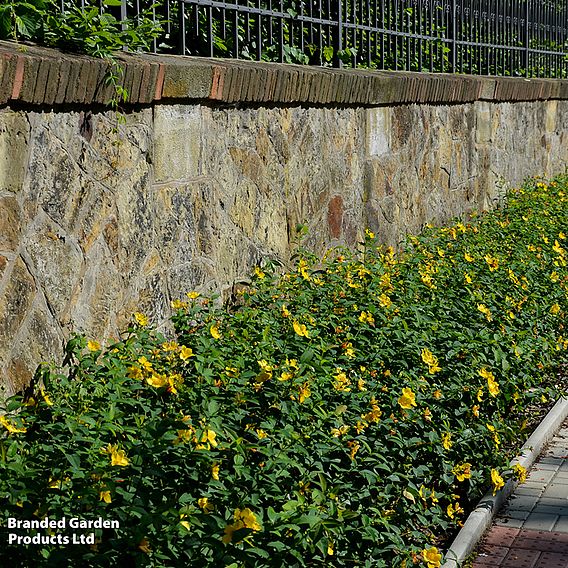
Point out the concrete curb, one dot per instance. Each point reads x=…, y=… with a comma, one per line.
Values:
x=480, y=519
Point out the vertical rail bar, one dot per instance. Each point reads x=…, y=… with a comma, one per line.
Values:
x=454, y=36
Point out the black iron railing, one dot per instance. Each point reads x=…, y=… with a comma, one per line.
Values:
x=487, y=37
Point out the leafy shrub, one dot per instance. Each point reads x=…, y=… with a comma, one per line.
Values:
x=347, y=413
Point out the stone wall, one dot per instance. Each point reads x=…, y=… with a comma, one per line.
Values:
x=99, y=219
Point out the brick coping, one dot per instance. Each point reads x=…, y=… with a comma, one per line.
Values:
x=43, y=76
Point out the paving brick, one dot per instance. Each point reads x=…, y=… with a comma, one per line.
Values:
x=551, y=509
x=518, y=558
x=557, y=490
x=540, y=476
x=557, y=451
x=561, y=525
x=514, y=514
x=490, y=555
x=551, y=461
x=546, y=467
x=522, y=502
x=501, y=536
x=552, y=560
x=522, y=490
x=510, y=523
x=543, y=543
x=540, y=521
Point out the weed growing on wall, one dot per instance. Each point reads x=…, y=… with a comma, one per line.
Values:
x=347, y=413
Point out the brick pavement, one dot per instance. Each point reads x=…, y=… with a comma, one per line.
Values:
x=531, y=531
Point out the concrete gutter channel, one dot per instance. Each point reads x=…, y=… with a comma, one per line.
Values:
x=481, y=518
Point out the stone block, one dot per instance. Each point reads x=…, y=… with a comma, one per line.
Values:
x=177, y=142
x=378, y=131
x=10, y=224
x=16, y=301
x=14, y=138
x=59, y=260
x=187, y=80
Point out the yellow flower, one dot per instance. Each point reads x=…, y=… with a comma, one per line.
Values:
x=385, y=301
x=135, y=372
x=300, y=329
x=10, y=427
x=408, y=399
x=554, y=309
x=146, y=365
x=554, y=276
x=367, y=317
x=45, y=397
x=342, y=382
x=354, y=448
x=520, y=472
x=496, y=480
x=214, y=331
x=558, y=248
x=304, y=392
x=374, y=415
x=144, y=546
x=492, y=262
x=259, y=273
x=192, y=295
x=141, y=319
x=430, y=360
x=185, y=353
x=468, y=257
x=447, y=440
x=93, y=345
x=208, y=438
x=117, y=457
x=432, y=557
x=475, y=410
x=285, y=312
x=338, y=432
x=468, y=278
x=485, y=311
x=215, y=471
x=462, y=471
x=105, y=496
x=156, y=380
x=184, y=524
x=204, y=504
x=261, y=433
x=330, y=543
x=492, y=384
x=369, y=233
x=178, y=304
x=496, y=438
x=244, y=518
x=285, y=376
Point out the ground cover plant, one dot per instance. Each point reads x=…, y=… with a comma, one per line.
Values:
x=345, y=413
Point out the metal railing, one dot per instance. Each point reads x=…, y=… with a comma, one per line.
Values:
x=487, y=37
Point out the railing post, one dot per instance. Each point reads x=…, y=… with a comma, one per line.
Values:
x=181, y=24
x=527, y=53
x=338, y=39
x=454, y=32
